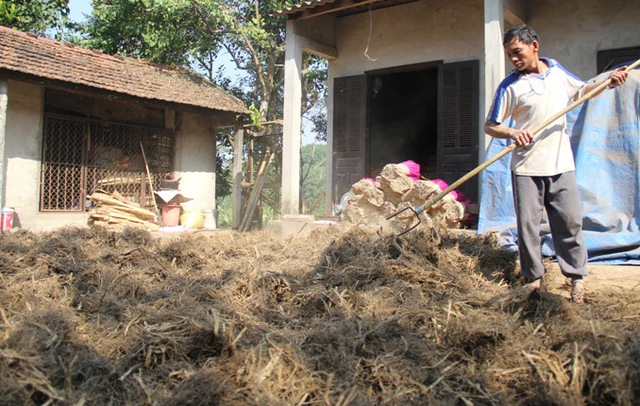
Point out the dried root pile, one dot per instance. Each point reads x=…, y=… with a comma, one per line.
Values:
x=341, y=317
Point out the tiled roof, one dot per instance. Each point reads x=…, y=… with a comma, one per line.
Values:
x=44, y=58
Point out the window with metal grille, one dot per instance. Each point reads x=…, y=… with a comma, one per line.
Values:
x=83, y=156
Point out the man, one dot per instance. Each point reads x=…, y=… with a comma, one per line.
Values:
x=542, y=171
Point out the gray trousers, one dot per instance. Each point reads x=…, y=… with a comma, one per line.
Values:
x=557, y=194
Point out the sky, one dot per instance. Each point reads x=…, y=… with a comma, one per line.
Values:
x=78, y=8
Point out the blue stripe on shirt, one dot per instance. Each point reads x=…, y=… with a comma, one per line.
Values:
x=552, y=62
x=497, y=100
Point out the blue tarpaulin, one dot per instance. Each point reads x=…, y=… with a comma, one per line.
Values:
x=605, y=136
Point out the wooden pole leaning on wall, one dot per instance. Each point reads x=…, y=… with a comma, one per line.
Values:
x=146, y=167
x=254, y=198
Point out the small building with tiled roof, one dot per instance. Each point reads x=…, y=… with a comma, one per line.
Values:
x=73, y=121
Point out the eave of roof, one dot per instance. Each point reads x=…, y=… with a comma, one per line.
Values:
x=303, y=6
x=315, y=8
x=45, y=58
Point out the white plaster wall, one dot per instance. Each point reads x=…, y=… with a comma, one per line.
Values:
x=412, y=33
x=574, y=31
x=195, y=159
x=23, y=151
x=53, y=220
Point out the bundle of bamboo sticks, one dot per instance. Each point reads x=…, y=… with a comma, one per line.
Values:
x=115, y=209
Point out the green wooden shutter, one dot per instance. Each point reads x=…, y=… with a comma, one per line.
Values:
x=458, y=126
x=349, y=125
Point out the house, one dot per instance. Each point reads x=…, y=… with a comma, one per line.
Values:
x=73, y=121
x=414, y=79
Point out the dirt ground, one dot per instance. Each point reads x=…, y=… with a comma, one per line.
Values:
x=602, y=279
x=339, y=316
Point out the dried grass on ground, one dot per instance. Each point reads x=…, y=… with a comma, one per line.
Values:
x=338, y=317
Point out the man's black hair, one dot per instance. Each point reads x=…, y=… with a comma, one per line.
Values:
x=524, y=33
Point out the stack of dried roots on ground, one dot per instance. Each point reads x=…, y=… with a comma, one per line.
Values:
x=114, y=209
x=340, y=317
x=398, y=187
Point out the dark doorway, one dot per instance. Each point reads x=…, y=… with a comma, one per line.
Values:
x=426, y=113
x=403, y=119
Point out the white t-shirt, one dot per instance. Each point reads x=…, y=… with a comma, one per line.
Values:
x=530, y=99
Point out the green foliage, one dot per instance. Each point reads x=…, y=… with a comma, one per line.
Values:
x=191, y=33
x=224, y=212
x=223, y=176
x=162, y=31
x=315, y=84
x=36, y=16
x=256, y=117
x=224, y=154
x=313, y=176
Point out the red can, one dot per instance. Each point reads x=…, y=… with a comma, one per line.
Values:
x=6, y=221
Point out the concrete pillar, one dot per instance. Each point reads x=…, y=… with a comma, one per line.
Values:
x=494, y=62
x=195, y=157
x=290, y=203
x=236, y=191
x=4, y=103
x=328, y=186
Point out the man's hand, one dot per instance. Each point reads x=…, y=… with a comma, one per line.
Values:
x=618, y=77
x=521, y=137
